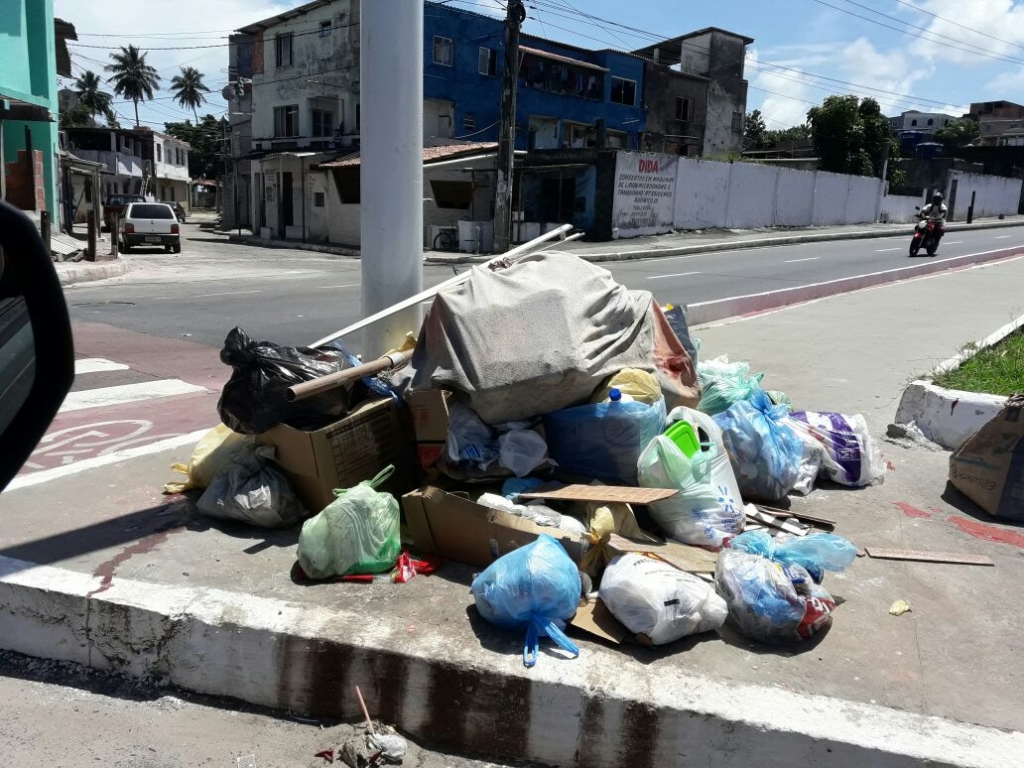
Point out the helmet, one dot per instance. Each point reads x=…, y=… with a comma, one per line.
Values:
x=937, y=198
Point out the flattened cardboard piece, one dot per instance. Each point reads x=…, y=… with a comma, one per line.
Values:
x=604, y=494
x=456, y=528
x=685, y=557
x=594, y=618
x=429, y=412
x=989, y=468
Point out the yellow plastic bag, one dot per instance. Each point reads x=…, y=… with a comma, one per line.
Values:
x=642, y=386
x=212, y=454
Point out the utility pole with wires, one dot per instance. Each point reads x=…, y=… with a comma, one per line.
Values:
x=515, y=16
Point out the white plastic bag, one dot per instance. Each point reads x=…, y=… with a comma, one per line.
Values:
x=850, y=456
x=251, y=490
x=703, y=514
x=654, y=599
x=469, y=439
x=722, y=473
x=537, y=513
x=521, y=451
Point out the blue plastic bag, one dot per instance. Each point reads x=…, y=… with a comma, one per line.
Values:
x=764, y=451
x=816, y=552
x=537, y=587
x=603, y=440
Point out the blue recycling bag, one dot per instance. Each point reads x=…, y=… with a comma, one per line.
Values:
x=765, y=451
x=537, y=587
x=816, y=552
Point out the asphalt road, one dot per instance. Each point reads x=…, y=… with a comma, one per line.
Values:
x=297, y=297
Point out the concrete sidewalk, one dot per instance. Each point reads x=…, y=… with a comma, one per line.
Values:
x=75, y=272
x=99, y=568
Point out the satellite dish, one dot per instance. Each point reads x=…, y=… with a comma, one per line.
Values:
x=230, y=91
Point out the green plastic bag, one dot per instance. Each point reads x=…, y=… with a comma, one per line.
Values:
x=723, y=383
x=358, y=532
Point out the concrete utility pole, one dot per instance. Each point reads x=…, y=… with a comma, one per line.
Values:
x=516, y=15
x=391, y=178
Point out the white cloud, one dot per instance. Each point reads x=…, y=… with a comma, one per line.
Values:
x=151, y=25
x=785, y=99
x=999, y=26
x=886, y=72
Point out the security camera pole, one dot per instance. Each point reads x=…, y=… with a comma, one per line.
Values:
x=516, y=15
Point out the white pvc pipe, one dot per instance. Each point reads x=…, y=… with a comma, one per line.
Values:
x=391, y=186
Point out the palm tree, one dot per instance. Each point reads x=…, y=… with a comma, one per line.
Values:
x=132, y=77
x=188, y=90
x=90, y=97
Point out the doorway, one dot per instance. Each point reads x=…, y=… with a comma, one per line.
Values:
x=287, y=218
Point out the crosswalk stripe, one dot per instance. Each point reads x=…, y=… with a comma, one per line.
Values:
x=127, y=393
x=96, y=365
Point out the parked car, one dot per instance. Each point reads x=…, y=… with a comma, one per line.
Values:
x=115, y=205
x=149, y=224
x=179, y=209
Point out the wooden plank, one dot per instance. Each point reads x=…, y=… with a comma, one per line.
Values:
x=928, y=557
x=604, y=493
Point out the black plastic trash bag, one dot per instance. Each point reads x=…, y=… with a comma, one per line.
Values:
x=253, y=400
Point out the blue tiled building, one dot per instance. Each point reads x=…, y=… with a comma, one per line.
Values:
x=564, y=91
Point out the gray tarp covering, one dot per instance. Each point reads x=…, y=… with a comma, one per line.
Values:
x=542, y=335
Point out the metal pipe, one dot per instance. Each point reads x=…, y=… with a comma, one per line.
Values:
x=391, y=182
x=334, y=380
x=430, y=293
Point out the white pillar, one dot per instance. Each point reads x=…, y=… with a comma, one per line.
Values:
x=391, y=144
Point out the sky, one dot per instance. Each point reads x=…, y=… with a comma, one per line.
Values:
x=931, y=55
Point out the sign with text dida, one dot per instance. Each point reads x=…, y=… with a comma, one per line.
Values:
x=645, y=193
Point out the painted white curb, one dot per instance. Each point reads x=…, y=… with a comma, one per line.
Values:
x=598, y=711
x=946, y=416
x=950, y=416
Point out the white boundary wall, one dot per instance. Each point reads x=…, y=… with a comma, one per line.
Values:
x=995, y=194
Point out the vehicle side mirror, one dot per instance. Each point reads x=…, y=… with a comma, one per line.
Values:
x=37, y=361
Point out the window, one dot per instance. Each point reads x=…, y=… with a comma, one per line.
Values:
x=623, y=91
x=988, y=128
x=737, y=122
x=323, y=123
x=488, y=62
x=443, y=49
x=931, y=121
x=913, y=122
x=682, y=108
x=159, y=153
x=149, y=211
x=469, y=121
x=283, y=49
x=286, y=121
x=325, y=29
x=318, y=199
x=452, y=194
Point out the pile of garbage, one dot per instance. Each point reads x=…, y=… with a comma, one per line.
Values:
x=557, y=430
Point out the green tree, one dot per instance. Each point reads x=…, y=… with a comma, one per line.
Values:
x=205, y=140
x=796, y=133
x=78, y=116
x=132, y=77
x=188, y=90
x=850, y=136
x=959, y=133
x=755, y=132
x=91, y=98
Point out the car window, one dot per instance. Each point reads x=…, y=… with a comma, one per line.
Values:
x=150, y=211
x=114, y=200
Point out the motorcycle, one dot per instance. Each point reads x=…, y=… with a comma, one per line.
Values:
x=926, y=235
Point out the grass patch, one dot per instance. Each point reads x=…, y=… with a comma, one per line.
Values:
x=998, y=370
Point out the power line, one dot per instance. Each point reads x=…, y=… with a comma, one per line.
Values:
x=958, y=24
x=979, y=52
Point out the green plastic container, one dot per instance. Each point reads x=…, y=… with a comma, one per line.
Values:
x=685, y=437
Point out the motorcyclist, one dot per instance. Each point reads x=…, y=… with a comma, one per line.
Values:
x=936, y=211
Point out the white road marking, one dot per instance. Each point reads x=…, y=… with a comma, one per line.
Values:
x=97, y=364
x=883, y=250
x=46, y=475
x=347, y=285
x=1001, y=237
x=677, y=274
x=794, y=261
x=226, y=293
x=953, y=242
x=127, y=393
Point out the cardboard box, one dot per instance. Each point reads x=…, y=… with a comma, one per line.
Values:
x=345, y=453
x=429, y=412
x=452, y=526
